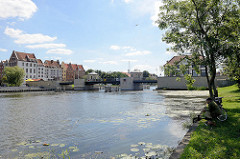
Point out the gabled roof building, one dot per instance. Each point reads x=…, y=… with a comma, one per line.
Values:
x=27, y=61
x=183, y=60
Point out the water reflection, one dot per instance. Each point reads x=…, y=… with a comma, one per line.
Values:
x=88, y=122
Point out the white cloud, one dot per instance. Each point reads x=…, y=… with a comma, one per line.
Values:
x=143, y=67
x=60, y=51
x=155, y=13
x=125, y=48
x=127, y=1
x=23, y=38
x=89, y=61
x=128, y=60
x=115, y=47
x=23, y=9
x=3, y=50
x=46, y=46
x=109, y=62
x=138, y=53
x=53, y=58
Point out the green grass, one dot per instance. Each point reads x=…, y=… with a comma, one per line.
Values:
x=222, y=141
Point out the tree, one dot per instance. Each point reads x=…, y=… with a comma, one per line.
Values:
x=89, y=71
x=14, y=76
x=145, y=74
x=201, y=28
x=233, y=68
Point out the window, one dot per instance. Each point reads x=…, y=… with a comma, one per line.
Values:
x=30, y=64
x=27, y=76
x=34, y=65
x=30, y=70
x=34, y=71
x=23, y=64
x=26, y=70
x=30, y=76
x=26, y=64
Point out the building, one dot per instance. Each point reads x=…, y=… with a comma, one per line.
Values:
x=53, y=70
x=137, y=75
x=64, y=67
x=72, y=71
x=93, y=76
x=177, y=61
x=79, y=71
x=27, y=61
x=41, y=70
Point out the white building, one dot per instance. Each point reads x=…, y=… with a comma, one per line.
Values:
x=53, y=70
x=41, y=70
x=27, y=61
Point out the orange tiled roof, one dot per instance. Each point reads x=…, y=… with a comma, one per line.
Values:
x=175, y=59
x=22, y=56
x=39, y=61
x=51, y=63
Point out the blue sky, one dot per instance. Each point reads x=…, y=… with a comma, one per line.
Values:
x=99, y=34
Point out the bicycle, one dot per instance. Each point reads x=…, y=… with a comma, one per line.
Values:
x=223, y=116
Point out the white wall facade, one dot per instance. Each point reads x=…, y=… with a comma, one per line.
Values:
x=30, y=69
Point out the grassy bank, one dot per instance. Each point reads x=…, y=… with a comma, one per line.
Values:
x=222, y=141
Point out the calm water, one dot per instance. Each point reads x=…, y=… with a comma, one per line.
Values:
x=93, y=124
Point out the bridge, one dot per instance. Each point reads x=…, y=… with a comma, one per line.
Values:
x=127, y=83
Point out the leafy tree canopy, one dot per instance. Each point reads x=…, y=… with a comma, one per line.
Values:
x=13, y=76
x=206, y=28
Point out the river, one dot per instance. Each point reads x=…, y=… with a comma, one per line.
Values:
x=94, y=124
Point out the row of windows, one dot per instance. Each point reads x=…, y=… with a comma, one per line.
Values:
x=30, y=70
x=31, y=65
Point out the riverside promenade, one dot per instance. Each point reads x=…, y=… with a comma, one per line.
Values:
x=23, y=89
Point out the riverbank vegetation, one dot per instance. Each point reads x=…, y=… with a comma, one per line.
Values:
x=223, y=140
x=13, y=76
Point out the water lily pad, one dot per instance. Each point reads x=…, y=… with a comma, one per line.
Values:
x=72, y=147
x=146, y=150
x=152, y=153
x=141, y=143
x=22, y=143
x=75, y=150
x=54, y=145
x=62, y=145
x=134, y=149
x=14, y=150
x=134, y=145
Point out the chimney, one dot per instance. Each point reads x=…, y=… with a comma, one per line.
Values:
x=51, y=61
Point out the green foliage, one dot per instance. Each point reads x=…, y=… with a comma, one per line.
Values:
x=105, y=75
x=209, y=29
x=189, y=81
x=170, y=70
x=233, y=68
x=223, y=140
x=178, y=79
x=183, y=69
x=13, y=76
x=146, y=74
x=89, y=71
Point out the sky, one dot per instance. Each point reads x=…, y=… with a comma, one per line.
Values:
x=108, y=35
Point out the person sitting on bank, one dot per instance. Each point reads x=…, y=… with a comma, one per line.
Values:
x=211, y=112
